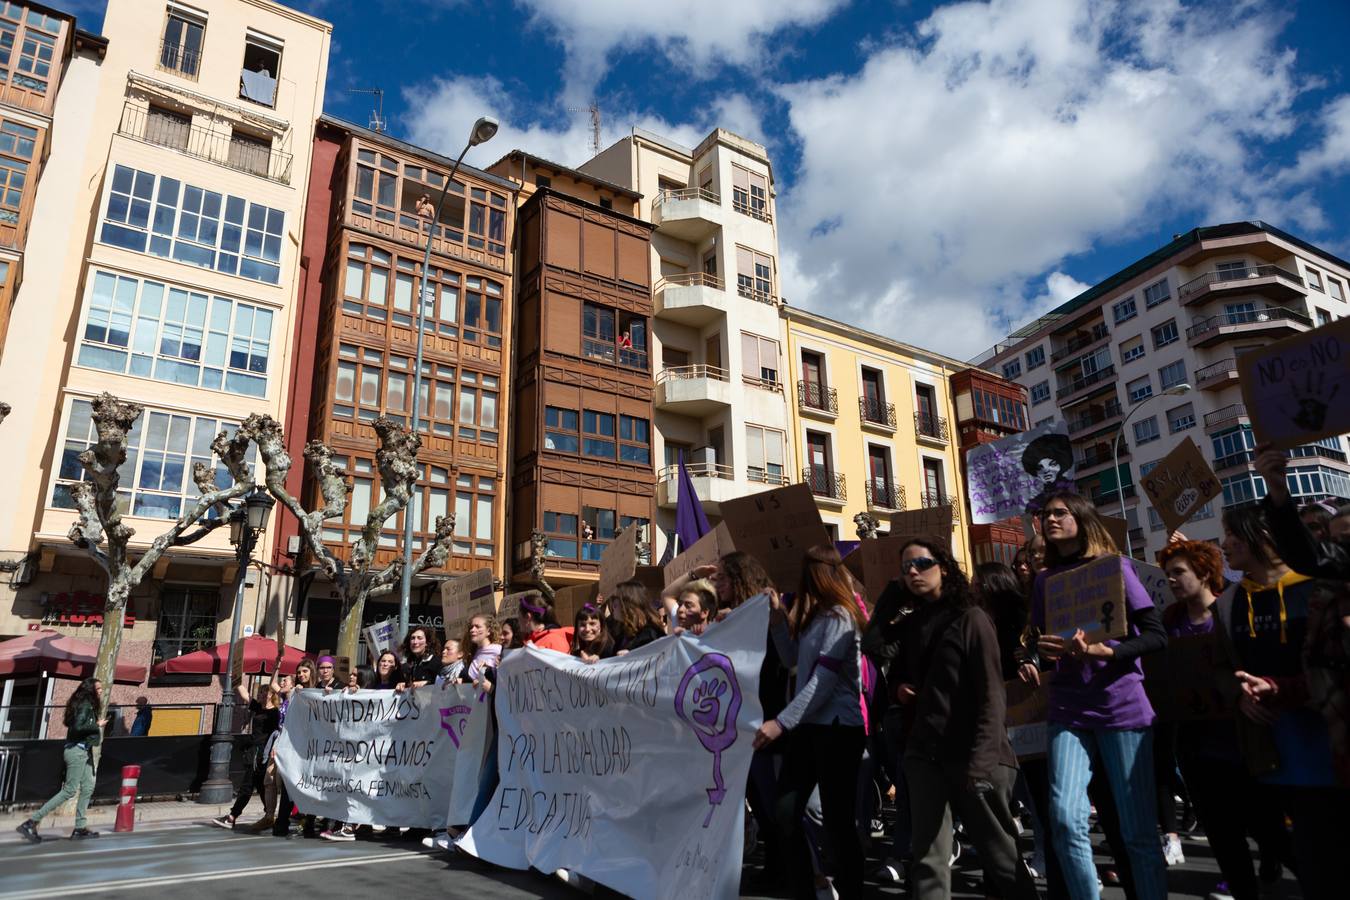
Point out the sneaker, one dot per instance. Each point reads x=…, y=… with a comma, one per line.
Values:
x=825, y=889
x=430, y=840
x=1220, y=892
x=1172, y=854
x=29, y=832
x=345, y=833
x=956, y=853
x=575, y=880
x=80, y=834
x=226, y=822
x=263, y=824
x=890, y=872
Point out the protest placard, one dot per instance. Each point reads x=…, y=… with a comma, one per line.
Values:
x=1154, y=581
x=645, y=756
x=777, y=527
x=880, y=562
x=1186, y=681
x=704, y=552
x=1297, y=390
x=463, y=598
x=927, y=521
x=380, y=637
x=1090, y=597
x=618, y=562
x=1180, y=484
x=1119, y=530
x=653, y=578
x=567, y=600
x=508, y=610
x=1004, y=477
x=1028, y=705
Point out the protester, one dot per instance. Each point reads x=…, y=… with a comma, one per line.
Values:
x=388, y=674
x=591, y=641
x=1316, y=518
x=84, y=720
x=508, y=636
x=265, y=710
x=484, y=646
x=452, y=663
x=1098, y=714
x=1296, y=546
x=823, y=722
x=421, y=657
x=327, y=680
x=634, y=618
x=997, y=590
x=539, y=625
x=270, y=779
x=697, y=606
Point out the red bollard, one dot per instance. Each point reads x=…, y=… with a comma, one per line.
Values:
x=126, y=805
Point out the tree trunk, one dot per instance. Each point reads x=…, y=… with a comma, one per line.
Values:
x=109, y=643
x=349, y=629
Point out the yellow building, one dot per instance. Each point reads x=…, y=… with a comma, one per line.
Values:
x=872, y=424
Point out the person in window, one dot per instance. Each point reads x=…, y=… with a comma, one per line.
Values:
x=591, y=641
x=84, y=729
x=539, y=626
x=587, y=531
x=421, y=658
x=424, y=207
x=625, y=341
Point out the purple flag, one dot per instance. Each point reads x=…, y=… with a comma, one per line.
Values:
x=690, y=521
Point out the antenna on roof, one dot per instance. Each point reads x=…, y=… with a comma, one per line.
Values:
x=597, y=144
x=378, y=124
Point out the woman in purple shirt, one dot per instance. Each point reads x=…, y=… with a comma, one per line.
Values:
x=1099, y=715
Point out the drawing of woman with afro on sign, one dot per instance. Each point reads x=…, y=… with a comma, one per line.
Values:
x=1049, y=460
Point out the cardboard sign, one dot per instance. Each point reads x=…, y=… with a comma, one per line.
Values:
x=929, y=521
x=1154, y=580
x=618, y=562
x=1298, y=390
x=880, y=562
x=1027, y=703
x=653, y=578
x=463, y=598
x=1005, y=477
x=1120, y=532
x=1090, y=597
x=1186, y=681
x=566, y=601
x=508, y=610
x=237, y=663
x=380, y=637
x=777, y=527
x=704, y=552
x=1180, y=484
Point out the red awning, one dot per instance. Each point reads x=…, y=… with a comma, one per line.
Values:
x=59, y=656
x=259, y=654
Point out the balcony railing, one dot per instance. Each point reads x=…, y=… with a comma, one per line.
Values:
x=697, y=470
x=752, y=209
x=818, y=397
x=1080, y=341
x=179, y=59
x=1099, y=455
x=693, y=193
x=1094, y=416
x=203, y=143
x=1246, y=317
x=934, y=499
x=1240, y=458
x=1195, y=285
x=1231, y=414
x=1085, y=381
x=930, y=426
x=692, y=279
x=1111, y=495
x=685, y=373
x=876, y=412
x=765, y=476
x=824, y=483
x=746, y=288
x=884, y=496
x=1216, y=371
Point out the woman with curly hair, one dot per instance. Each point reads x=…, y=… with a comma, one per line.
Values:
x=634, y=619
x=421, y=657
x=84, y=720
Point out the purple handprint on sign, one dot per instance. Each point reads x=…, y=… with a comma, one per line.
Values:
x=709, y=699
x=449, y=721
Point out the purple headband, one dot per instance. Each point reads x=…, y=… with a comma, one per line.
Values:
x=589, y=607
x=531, y=608
x=327, y=659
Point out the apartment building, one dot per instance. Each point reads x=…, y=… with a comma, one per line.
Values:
x=163, y=268
x=717, y=336
x=1154, y=347
x=356, y=345
x=872, y=425
x=988, y=408
x=581, y=441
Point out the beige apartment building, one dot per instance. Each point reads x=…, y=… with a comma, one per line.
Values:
x=1155, y=346
x=717, y=336
x=162, y=267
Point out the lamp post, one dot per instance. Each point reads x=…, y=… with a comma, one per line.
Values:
x=247, y=521
x=482, y=131
x=1175, y=390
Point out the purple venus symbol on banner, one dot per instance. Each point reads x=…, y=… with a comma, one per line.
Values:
x=709, y=699
x=449, y=723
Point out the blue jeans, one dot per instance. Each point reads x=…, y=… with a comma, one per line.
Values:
x=1126, y=755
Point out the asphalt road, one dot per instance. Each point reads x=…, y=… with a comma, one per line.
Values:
x=169, y=860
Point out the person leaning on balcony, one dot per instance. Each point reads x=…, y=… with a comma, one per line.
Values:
x=1294, y=543
x=83, y=731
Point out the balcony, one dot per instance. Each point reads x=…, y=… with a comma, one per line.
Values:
x=690, y=214
x=1234, y=460
x=931, y=428
x=1080, y=343
x=696, y=391
x=1096, y=458
x=1234, y=414
x=695, y=299
x=884, y=496
x=826, y=485
x=1084, y=386
x=817, y=400
x=776, y=477
x=934, y=499
x=1272, y=322
x=252, y=156
x=876, y=414
x=1268, y=281
x=1218, y=376
x=713, y=482
x=1096, y=418
x=1111, y=495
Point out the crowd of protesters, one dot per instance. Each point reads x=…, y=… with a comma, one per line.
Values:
x=905, y=696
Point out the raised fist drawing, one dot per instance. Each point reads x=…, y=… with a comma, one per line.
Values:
x=1311, y=406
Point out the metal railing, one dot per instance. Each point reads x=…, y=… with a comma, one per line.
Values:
x=818, y=397
x=1216, y=371
x=1246, y=317
x=698, y=470
x=885, y=496
x=1240, y=458
x=934, y=499
x=930, y=426
x=752, y=210
x=692, y=279
x=824, y=483
x=1096, y=415
x=764, y=476
x=750, y=292
x=693, y=193
x=26, y=722
x=1079, y=342
x=203, y=143
x=1112, y=495
x=1100, y=454
x=607, y=351
x=178, y=59
x=876, y=412
x=1085, y=381
x=1232, y=413
x=686, y=373
x=1220, y=276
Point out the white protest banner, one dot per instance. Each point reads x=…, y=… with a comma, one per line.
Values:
x=384, y=758
x=1298, y=390
x=380, y=637
x=1004, y=477
x=630, y=771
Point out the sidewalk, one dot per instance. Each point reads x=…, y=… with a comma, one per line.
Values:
x=102, y=816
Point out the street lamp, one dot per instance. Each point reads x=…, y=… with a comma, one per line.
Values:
x=1175, y=390
x=247, y=522
x=482, y=131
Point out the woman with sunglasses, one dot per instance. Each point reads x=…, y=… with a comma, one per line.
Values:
x=1099, y=716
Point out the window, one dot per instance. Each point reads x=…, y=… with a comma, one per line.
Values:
x=560, y=430
x=1156, y=293
x=764, y=455
x=1095, y=363
x=1165, y=334
x=477, y=408
x=606, y=203
x=1323, y=317
x=635, y=440
x=934, y=485
x=1155, y=522
x=261, y=69
x=599, y=341
x=187, y=621
x=475, y=505
x=167, y=128
x=1040, y=393
x=754, y=274
x=18, y=143
x=1180, y=418
x=759, y=361
x=250, y=153
x=749, y=193
x=487, y=221
x=181, y=49
x=880, y=490
x=1172, y=374
x=1232, y=447
x=597, y=434
x=1046, y=421
x=1146, y=430
x=1001, y=410
x=1314, y=279
x=597, y=529
x=1242, y=489
x=1318, y=482
x=193, y=225
x=1012, y=369
x=482, y=319
x=1035, y=357
x=168, y=333
x=1124, y=310
x=561, y=531
x=1335, y=289
x=1139, y=389
x=357, y=386
x=27, y=47
x=1233, y=269
x=1132, y=349
x=1239, y=313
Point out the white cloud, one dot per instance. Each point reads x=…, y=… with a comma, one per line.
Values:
x=954, y=168
x=1332, y=155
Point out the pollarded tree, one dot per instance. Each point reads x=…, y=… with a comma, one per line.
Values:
x=358, y=579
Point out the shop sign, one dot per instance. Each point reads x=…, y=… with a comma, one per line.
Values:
x=78, y=608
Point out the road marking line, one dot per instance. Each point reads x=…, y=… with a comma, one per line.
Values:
x=188, y=878
x=120, y=848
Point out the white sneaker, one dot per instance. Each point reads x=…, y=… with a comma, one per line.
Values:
x=345, y=833
x=1172, y=854
x=575, y=880
x=430, y=840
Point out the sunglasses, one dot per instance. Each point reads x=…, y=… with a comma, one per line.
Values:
x=1057, y=513
x=918, y=563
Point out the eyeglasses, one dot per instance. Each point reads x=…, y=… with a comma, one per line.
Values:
x=329, y=668
x=1057, y=513
x=919, y=563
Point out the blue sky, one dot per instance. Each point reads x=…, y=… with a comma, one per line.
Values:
x=944, y=171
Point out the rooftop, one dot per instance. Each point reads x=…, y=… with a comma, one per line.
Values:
x=848, y=330
x=380, y=137
x=569, y=172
